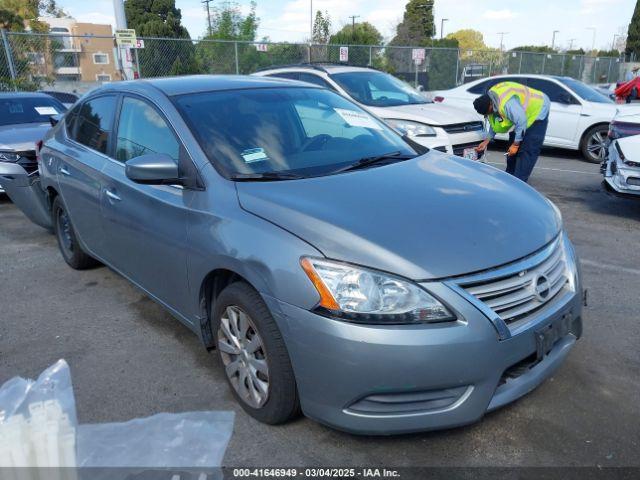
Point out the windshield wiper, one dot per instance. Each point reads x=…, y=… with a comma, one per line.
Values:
x=265, y=176
x=368, y=161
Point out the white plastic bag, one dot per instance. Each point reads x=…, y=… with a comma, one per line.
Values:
x=38, y=428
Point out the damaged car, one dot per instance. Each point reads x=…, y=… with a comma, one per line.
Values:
x=621, y=169
x=24, y=121
x=336, y=268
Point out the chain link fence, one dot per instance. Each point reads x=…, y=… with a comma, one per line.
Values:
x=30, y=61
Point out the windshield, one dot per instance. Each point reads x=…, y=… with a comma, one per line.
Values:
x=378, y=89
x=16, y=110
x=584, y=91
x=306, y=131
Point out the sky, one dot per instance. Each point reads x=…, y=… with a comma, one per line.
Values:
x=527, y=22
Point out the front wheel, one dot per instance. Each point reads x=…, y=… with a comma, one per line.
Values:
x=594, y=144
x=253, y=354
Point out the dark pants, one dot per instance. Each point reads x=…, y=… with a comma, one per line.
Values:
x=522, y=164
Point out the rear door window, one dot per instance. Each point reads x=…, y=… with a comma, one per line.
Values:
x=316, y=80
x=287, y=75
x=94, y=122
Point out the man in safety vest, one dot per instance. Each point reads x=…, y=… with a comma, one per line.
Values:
x=524, y=111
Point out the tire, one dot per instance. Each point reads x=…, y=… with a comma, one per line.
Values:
x=280, y=403
x=68, y=243
x=593, y=146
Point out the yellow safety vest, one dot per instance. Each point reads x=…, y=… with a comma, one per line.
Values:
x=531, y=100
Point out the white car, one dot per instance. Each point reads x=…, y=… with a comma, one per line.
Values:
x=579, y=117
x=440, y=127
x=622, y=168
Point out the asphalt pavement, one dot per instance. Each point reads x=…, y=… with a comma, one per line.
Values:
x=129, y=358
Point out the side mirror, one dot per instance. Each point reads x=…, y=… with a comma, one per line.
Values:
x=153, y=169
x=566, y=98
x=55, y=119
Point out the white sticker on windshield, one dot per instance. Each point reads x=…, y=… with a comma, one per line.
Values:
x=46, y=110
x=254, y=155
x=358, y=119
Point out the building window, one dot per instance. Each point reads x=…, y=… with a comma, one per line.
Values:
x=103, y=77
x=100, y=58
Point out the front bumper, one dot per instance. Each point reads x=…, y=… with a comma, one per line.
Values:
x=618, y=175
x=392, y=380
x=399, y=379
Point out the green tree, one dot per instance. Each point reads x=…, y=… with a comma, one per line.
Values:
x=633, y=34
x=321, y=28
x=417, y=27
x=468, y=39
x=362, y=33
x=161, y=18
x=228, y=23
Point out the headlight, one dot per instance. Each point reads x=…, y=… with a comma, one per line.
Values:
x=9, y=156
x=570, y=262
x=366, y=296
x=412, y=129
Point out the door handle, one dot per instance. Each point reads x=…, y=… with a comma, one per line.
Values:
x=64, y=171
x=112, y=196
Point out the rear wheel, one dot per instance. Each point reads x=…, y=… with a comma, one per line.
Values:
x=67, y=241
x=593, y=145
x=253, y=354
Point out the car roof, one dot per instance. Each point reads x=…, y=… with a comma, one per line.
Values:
x=171, y=86
x=323, y=67
x=525, y=75
x=5, y=95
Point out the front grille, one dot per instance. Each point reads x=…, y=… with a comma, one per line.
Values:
x=516, y=296
x=463, y=127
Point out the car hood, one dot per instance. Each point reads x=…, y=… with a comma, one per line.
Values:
x=431, y=113
x=431, y=217
x=22, y=137
x=630, y=146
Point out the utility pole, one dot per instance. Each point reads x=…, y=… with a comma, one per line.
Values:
x=502, y=34
x=353, y=26
x=571, y=40
x=206, y=2
x=311, y=21
x=613, y=43
x=442, y=27
x=118, y=10
x=553, y=39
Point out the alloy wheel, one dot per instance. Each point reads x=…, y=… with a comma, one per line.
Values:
x=596, y=145
x=244, y=356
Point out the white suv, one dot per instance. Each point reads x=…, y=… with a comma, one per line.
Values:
x=440, y=127
x=579, y=117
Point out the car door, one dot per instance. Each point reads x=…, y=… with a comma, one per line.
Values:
x=564, y=114
x=146, y=225
x=79, y=164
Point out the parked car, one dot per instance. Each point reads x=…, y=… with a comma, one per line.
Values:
x=621, y=169
x=443, y=128
x=578, y=120
x=66, y=98
x=335, y=267
x=24, y=120
x=474, y=71
x=607, y=89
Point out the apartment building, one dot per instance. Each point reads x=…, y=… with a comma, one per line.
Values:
x=79, y=52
